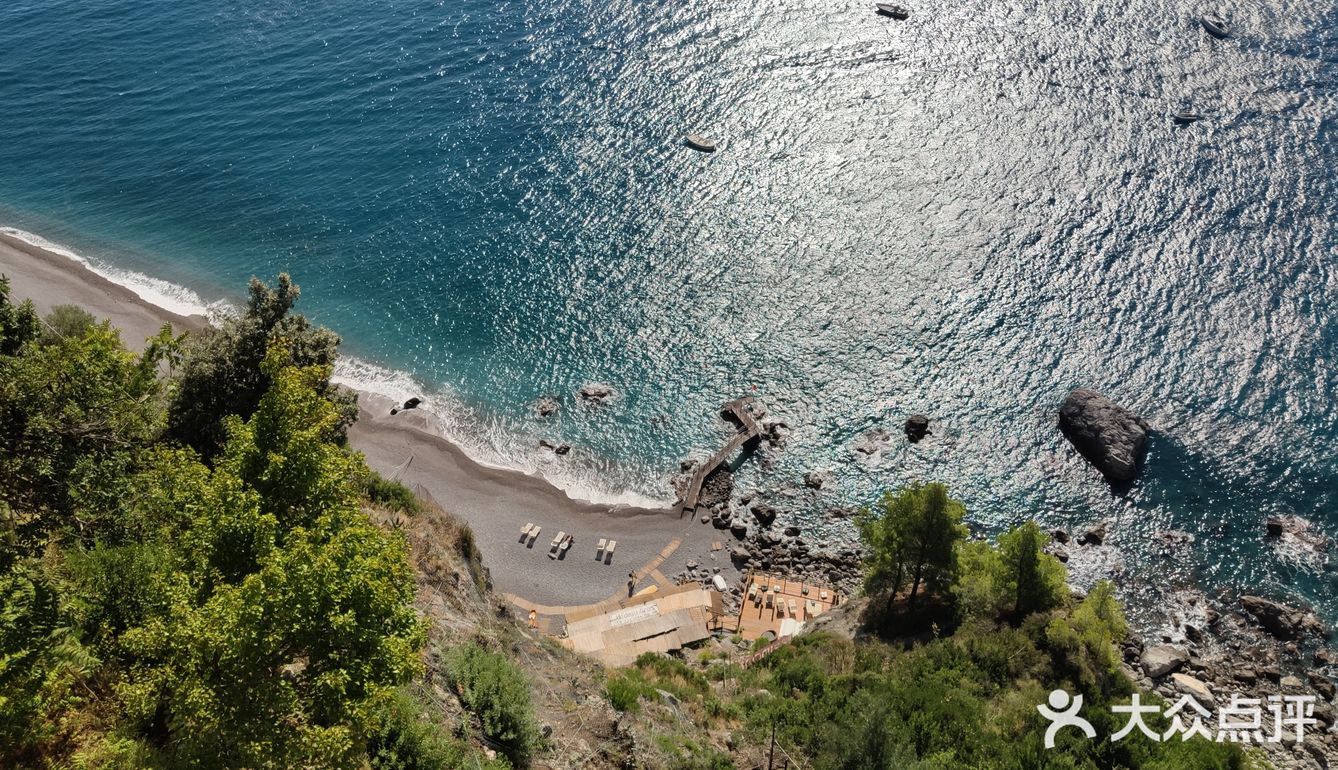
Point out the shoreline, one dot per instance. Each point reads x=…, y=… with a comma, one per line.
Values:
x=495, y=502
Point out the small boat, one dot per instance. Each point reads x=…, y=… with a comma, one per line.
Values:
x=1215, y=26
x=1185, y=117
x=895, y=11
x=699, y=142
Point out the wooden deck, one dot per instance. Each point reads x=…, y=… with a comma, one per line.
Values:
x=749, y=430
x=756, y=618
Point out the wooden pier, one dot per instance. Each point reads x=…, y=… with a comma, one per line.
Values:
x=749, y=430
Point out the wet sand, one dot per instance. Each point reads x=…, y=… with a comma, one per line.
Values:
x=495, y=502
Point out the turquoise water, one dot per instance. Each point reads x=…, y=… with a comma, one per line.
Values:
x=966, y=214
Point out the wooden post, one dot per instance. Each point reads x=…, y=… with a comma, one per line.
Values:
x=771, y=753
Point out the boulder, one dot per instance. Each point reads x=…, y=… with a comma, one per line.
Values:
x=1163, y=659
x=739, y=528
x=1322, y=684
x=917, y=427
x=1060, y=535
x=1111, y=437
x=764, y=514
x=596, y=392
x=1194, y=688
x=1282, y=621
x=547, y=406
x=413, y=403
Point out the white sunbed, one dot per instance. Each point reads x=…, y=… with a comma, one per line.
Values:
x=599, y=548
x=558, y=540
x=534, y=534
x=608, y=552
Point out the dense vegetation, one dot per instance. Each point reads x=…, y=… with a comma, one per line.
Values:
x=963, y=694
x=187, y=574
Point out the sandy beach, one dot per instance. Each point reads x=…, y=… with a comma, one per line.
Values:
x=495, y=502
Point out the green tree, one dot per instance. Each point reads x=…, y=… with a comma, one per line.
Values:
x=1036, y=579
x=258, y=615
x=222, y=376
x=73, y=416
x=912, y=536
x=19, y=324
x=66, y=321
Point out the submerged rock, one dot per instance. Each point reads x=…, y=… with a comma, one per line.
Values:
x=1109, y=436
x=816, y=479
x=547, y=406
x=596, y=392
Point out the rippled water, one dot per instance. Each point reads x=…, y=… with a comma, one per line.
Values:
x=965, y=214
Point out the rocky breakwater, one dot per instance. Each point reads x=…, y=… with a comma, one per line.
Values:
x=1110, y=437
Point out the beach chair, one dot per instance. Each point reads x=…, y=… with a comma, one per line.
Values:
x=608, y=552
x=557, y=541
x=534, y=535
x=525, y=532
x=794, y=610
x=770, y=599
x=780, y=608
x=599, y=548
x=752, y=592
x=823, y=596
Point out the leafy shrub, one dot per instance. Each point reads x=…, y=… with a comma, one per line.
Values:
x=625, y=689
x=497, y=692
x=390, y=494
x=406, y=739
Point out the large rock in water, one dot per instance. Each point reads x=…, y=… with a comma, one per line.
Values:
x=1111, y=437
x=1282, y=621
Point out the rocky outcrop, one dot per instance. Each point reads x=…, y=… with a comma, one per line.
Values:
x=917, y=427
x=1111, y=437
x=1283, y=622
x=1095, y=534
x=547, y=406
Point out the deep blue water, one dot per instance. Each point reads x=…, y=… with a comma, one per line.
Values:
x=965, y=214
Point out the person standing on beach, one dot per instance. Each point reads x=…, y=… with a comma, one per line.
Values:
x=631, y=583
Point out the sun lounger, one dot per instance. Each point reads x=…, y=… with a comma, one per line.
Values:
x=557, y=541
x=534, y=535
x=770, y=599
x=794, y=610
x=780, y=609
x=525, y=532
x=599, y=548
x=608, y=552
x=823, y=596
x=752, y=592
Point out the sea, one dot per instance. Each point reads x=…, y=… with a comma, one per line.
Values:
x=966, y=214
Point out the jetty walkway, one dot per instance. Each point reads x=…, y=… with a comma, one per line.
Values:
x=749, y=430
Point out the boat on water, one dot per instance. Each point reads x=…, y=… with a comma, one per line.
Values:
x=895, y=11
x=701, y=143
x=1215, y=26
x=1185, y=117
